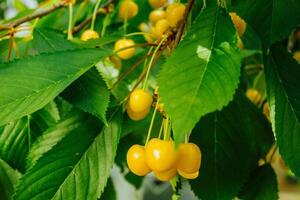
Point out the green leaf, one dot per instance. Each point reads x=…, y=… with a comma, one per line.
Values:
x=283, y=88
x=203, y=73
x=232, y=141
x=90, y=94
x=261, y=185
x=28, y=84
x=77, y=167
x=52, y=136
x=48, y=40
x=8, y=180
x=14, y=143
x=273, y=20
x=16, y=137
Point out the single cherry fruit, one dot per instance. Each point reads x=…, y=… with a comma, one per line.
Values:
x=175, y=13
x=157, y=3
x=128, y=9
x=189, y=158
x=136, y=116
x=125, y=53
x=239, y=23
x=144, y=27
x=161, y=27
x=140, y=100
x=116, y=61
x=165, y=175
x=188, y=175
x=89, y=34
x=253, y=95
x=296, y=56
x=157, y=15
x=160, y=155
x=136, y=160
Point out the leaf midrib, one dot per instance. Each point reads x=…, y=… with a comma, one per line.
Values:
x=200, y=81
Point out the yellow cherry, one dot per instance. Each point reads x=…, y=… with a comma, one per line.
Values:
x=296, y=56
x=128, y=9
x=144, y=27
x=116, y=61
x=161, y=27
x=165, y=175
x=89, y=34
x=189, y=158
x=175, y=13
x=136, y=160
x=253, y=95
x=125, y=53
x=239, y=23
x=157, y=15
x=160, y=155
x=140, y=100
x=157, y=3
x=136, y=116
x=188, y=175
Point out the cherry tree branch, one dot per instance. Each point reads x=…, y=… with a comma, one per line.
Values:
x=38, y=14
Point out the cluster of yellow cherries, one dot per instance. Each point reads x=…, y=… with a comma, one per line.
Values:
x=163, y=18
x=159, y=156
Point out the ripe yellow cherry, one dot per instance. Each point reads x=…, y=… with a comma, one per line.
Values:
x=157, y=3
x=157, y=15
x=188, y=175
x=253, y=95
x=239, y=23
x=296, y=56
x=160, y=155
x=126, y=53
x=140, y=100
x=116, y=61
x=144, y=27
x=128, y=9
x=161, y=27
x=136, y=116
x=175, y=12
x=165, y=175
x=89, y=34
x=189, y=158
x=136, y=160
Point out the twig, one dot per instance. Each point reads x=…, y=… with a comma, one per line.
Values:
x=88, y=20
x=38, y=14
x=10, y=46
x=182, y=24
x=128, y=71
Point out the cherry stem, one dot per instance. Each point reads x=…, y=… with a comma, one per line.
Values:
x=10, y=47
x=161, y=129
x=70, y=34
x=151, y=61
x=151, y=123
x=138, y=33
x=166, y=130
x=95, y=14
